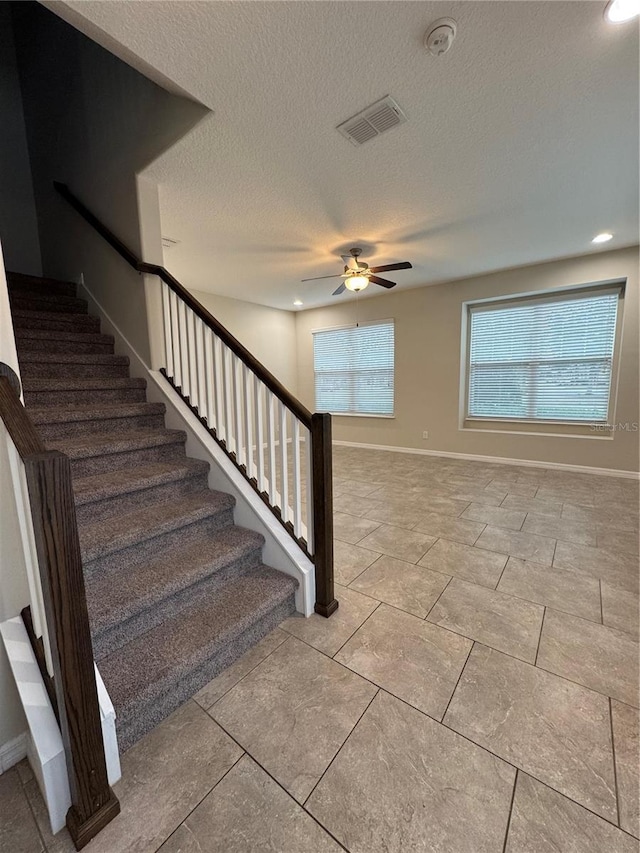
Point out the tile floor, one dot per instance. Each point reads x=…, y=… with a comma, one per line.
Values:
x=476, y=692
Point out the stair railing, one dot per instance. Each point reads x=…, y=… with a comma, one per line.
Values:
x=57, y=620
x=279, y=446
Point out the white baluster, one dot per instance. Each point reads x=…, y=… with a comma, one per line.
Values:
x=227, y=369
x=201, y=367
x=248, y=381
x=258, y=410
x=271, y=446
x=193, y=367
x=184, y=348
x=238, y=396
x=166, y=325
x=297, y=476
x=309, y=514
x=209, y=375
x=284, y=463
x=218, y=388
x=175, y=339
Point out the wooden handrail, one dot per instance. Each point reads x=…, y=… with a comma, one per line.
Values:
x=48, y=476
x=273, y=384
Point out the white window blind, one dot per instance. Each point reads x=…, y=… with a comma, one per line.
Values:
x=354, y=369
x=543, y=359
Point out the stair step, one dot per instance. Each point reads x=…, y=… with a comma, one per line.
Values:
x=60, y=422
x=132, y=538
x=54, y=392
x=54, y=320
x=45, y=301
x=59, y=364
x=125, y=604
x=100, y=452
x=153, y=674
x=113, y=493
x=19, y=282
x=30, y=340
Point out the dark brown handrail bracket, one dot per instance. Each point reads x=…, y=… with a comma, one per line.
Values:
x=48, y=475
x=319, y=425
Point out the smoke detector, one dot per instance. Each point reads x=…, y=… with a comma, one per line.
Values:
x=440, y=35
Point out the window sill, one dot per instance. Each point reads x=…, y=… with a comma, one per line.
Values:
x=556, y=429
x=360, y=415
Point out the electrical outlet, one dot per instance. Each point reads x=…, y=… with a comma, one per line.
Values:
x=425, y=434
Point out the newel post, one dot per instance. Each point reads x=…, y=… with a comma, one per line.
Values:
x=93, y=803
x=326, y=603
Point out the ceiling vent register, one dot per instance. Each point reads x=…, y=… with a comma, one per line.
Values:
x=372, y=121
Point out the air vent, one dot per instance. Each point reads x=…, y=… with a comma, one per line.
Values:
x=376, y=119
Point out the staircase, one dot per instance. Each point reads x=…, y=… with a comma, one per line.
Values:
x=175, y=591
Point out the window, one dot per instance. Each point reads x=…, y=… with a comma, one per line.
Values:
x=543, y=359
x=354, y=369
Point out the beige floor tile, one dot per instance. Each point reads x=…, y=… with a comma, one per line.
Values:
x=350, y=560
x=396, y=542
x=350, y=528
x=497, y=516
x=620, y=609
x=598, y=657
x=248, y=812
x=463, y=561
x=441, y=504
x=351, y=504
x=617, y=518
x=24, y=771
x=566, y=494
x=164, y=777
x=403, y=585
x=501, y=621
x=560, y=528
x=216, y=688
x=477, y=496
x=543, y=821
x=60, y=843
x=448, y=527
x=549, y=727
x=295, y=691
x=510, y=487
x=626, y=541
x=619, y=569
x=627, y=751
x=410, y=658
x=361, y=488
x=525, y=546
x=392, y=512
x=403, y=783
x=18, y=830
x=328, y=635
x=550, y=509
x=570, y=592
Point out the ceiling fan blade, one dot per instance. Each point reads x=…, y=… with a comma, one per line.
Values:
x=405, y=265
x=382, y=281
x=350, y=261
x=339, y=290
x=318, y=278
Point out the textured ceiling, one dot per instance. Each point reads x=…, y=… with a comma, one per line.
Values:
x=521, y=142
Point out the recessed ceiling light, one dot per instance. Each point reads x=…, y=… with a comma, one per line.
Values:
x=298, y=302
x=619, y=11
x=602, y=238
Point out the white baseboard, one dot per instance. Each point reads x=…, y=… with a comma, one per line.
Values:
x=497, y=460
x=13, y=751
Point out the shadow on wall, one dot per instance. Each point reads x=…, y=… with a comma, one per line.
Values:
x=95, y=123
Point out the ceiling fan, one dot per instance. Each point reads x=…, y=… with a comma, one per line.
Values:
x=358, y=275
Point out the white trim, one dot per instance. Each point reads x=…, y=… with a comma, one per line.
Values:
x=498, y=460
x=13, y=751
x=279, y=551
x=602, y=435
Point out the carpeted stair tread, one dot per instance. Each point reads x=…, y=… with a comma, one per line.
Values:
x=154, y=662
x=47, y=301
x=135, y=479
x=116, y=597
x=24, y=335
x=98, y=383
x=22, y=282
x=89, y=358
x=93, y=412
x=25, y=319
x=101, y=444
x=115, y=534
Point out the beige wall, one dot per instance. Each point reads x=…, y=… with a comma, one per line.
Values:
x=427, y=338
x=268, y=333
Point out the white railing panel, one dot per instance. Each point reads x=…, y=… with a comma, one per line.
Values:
x=183, y=349
x=258, y=410
x=248, y=384
x=271, y=447
x=284, y=462
x=166, y=327
x=227, y=373
x=238, y=395
x=218, y=388
x=297, y=480
x=309, y=467
x=176, y=372
x=209, y=371
x=193, y=367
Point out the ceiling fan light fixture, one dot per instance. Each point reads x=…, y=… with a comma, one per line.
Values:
x=619, y=11
x=356, y=283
